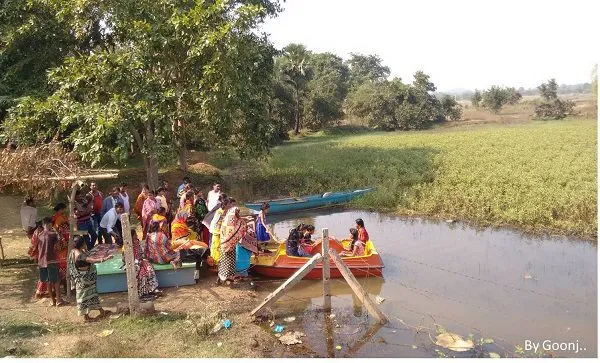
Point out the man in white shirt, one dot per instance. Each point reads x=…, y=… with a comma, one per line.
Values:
x=124, y=197
x=212, y=199
x=28, y=216
x=108, y=222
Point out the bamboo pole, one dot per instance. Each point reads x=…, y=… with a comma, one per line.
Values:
x=72, y=225
x=293, y=280
x=326, y=272
x=132, y=283
x=360, y=293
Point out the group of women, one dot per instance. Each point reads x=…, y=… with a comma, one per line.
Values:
x=299, y=242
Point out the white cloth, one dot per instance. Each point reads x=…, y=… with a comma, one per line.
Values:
x=109, y=220
x=212, y=199
x=125, y=199
x=28, y=216
x=163, y=202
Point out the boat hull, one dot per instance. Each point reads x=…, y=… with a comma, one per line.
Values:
x=307, y=202
x=281, y=266
x=316, y=273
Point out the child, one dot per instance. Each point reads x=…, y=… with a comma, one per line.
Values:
x=363, y=235
x=263, y=233
x=357, y=247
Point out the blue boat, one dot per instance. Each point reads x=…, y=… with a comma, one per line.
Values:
x=307, y=202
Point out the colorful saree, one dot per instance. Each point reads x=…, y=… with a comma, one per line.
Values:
x=158, y=248
x=147, y=281
x=183, y=237
x=86, y=292
x=232, y=230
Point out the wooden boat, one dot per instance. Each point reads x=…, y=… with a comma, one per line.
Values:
x=277, y=264
x=307, y=202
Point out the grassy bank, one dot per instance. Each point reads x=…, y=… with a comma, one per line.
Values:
x=539, y=176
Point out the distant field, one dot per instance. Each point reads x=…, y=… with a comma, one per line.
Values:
x=539, y=176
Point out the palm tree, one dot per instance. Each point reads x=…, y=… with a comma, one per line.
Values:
x=293, y=66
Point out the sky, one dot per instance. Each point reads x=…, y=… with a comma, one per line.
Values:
x=459, y=43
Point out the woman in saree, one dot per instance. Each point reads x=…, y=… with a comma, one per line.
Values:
x=82, y=269
x=146, y=277
x=60, y=223
x=215, y=230
x=158, y=247
x=183, y=237
x=41, y=289
x=232, y=231
x=244, y=249
x=150, y=207
x=160, y=219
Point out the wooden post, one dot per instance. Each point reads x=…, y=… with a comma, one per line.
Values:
x=362, y=295
x=1, y=249
x=132, y=283
x=293, y=280
x=72, y=227
x=326, y=272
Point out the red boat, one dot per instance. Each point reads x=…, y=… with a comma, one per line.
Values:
x=277, y=264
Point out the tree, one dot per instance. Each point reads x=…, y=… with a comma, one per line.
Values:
x=326, y=90
x=549, y=90
x=294, y=66
x=476, y=98
x=366, y=68
x=494, y=98
x=36, y=36
x=452, y=110
x=175, y=66
x=393, y=105
x=552, y=107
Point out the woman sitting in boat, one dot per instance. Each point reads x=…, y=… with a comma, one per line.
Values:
x=363, y=235
x=357, y=247
x=306, y=242
x=293, y=242
x=158, y=247
x=183, y=237
x=263, y=233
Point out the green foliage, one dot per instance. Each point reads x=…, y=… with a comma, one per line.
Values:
x=175, y=68
x=496, y=97
x=539, y=176
x=326, y=90
x=294, y=71
x=552, y=107
x=36, y=36
x=366, y=68
x=476, y=98
x=393, y=105
x=451, y=108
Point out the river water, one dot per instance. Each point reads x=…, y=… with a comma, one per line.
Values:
x=494, y=284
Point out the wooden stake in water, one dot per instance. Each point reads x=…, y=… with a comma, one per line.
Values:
x=132, y=283
x=360, y=293
x=326, y=275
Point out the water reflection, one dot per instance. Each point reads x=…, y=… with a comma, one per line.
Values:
x=497, y=284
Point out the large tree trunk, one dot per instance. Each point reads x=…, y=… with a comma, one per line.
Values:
x=297, y=115
x=179, y=133
x=151, y=171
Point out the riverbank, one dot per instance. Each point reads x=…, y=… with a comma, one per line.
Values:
x=540, y=177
